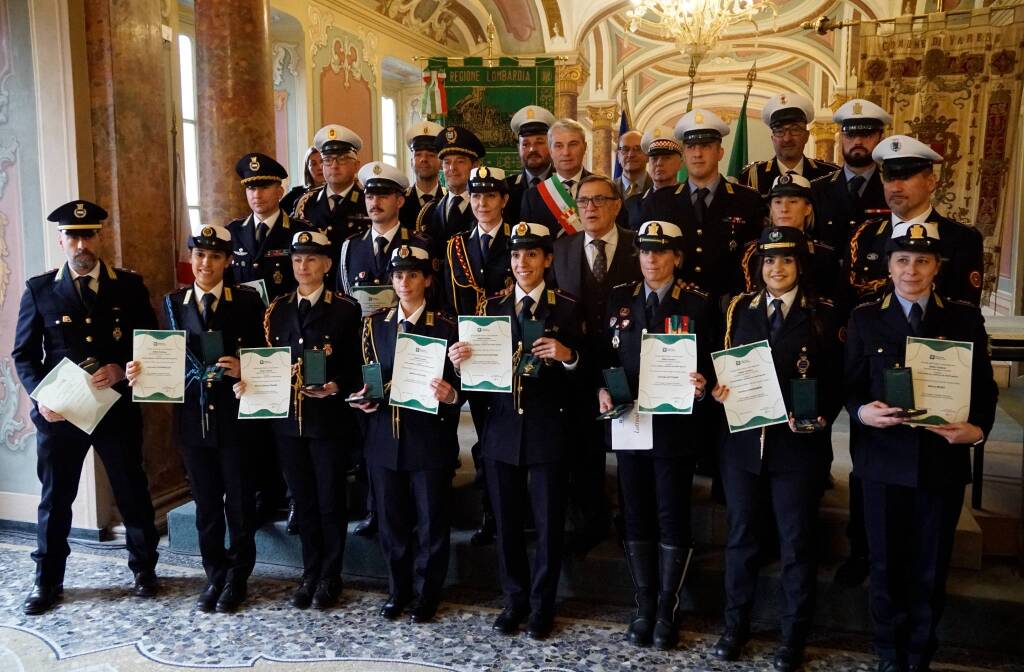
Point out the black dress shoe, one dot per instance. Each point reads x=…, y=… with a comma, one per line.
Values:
x=539, y=626
x=852, y=572
x=207, y=600
x=42, y=599
x=393, y=607
x=146, y=584
x=303, y=595
x=292, y=526
x=484, y=535
x=424, y=611
x=367, y=527
x=231, y=597
x=327, y=593
x=788, y=658
x=509, y=620
x=729, y=645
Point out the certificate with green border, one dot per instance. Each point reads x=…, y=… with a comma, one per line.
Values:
x=941, y=372
x=666, y=361
x=489, y=368
x=755, y=397
x=260, y=286
x=372, y=298
x=267, y=374
x=418, y=360
x=162, y=356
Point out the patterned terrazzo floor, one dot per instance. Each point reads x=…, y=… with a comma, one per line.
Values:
x=100, y=629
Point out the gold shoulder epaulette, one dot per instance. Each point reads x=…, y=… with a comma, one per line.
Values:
x=227, y=294
x=300, y=206
x=266, y=318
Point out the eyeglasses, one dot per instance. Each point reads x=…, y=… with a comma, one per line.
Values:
x=597, y=201
x=630, y=149
x=791, y=131
x=337, y=160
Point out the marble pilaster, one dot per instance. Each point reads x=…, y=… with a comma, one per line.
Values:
x=602, y=119
x=569, y=78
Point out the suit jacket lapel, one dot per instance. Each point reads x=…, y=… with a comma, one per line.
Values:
x=475, y=254
x=248, y=239
x=66, y=290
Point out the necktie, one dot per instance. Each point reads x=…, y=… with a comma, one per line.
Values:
x=600, y=265
x=791, y=172
x=700, y=205
x=426, y=198
x=455, y=202
x=208, y=300
x=916, y=315
x=568, y=185
x=382, y=245
x=85, y=291
x=304, y=307
x=534, y=181
x=525, y=313
x=261, y=233
x=854, y=186
x=652, y=308
x=404, y=327
x=775, y=321
x=485, y=246
x=335, y=200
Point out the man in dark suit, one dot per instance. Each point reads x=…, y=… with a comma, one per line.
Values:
x=633, y=158
x=460, y=152
x=262, y=241
x=338, y=208
x=718, y=218
x=552, y=202
x=421, y=139
x=844, y=199
x=909, y=181
x=530, y=124
x=913, y=477
x=587, y=265
x=85, y=311
x=664, y=158
x=215, y=445
x=526, y=441
x=261, y=238
x=787, y=115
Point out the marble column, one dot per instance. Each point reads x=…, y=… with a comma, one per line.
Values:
x=129, y=174
x=569, y=79
x=235, y=98
x=824, y=134
x=602, y=119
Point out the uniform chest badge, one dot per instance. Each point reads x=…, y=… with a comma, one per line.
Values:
x=624, y=311
x=328, y=349
x=733, y=245
x=278, y=277
x=116, y=333
x=361, y=276
x=872, y=256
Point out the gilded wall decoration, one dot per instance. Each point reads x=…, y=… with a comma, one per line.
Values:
x=434, y=18
x=954, y=82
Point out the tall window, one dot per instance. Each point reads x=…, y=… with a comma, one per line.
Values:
x=389, y=130
x=189, y=137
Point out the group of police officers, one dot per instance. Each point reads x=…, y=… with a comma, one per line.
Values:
x=828, y=264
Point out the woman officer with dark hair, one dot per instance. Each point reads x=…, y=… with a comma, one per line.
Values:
x=789, y=461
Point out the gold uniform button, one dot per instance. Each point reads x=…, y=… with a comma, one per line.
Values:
x=210, y=407
x=300, y=341
x=520, y=411
x=88, y=320
x=88, y=339
x=880, y=350
x=700, y=232
x=700, y=250
x=697, y=269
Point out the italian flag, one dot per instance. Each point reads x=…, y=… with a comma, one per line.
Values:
x=560, y=202
x=435, y=100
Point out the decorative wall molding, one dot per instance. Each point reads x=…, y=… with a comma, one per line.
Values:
x=437, y=24
x=285, y=56
x=13, y=436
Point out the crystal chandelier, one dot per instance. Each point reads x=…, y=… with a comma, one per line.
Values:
x=696, y=26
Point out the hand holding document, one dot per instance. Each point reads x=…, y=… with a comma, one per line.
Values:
x=162, y=356
x=266, y=379
x=489, y=369
x=67, y=390
x=418, y=360
x=755, y=398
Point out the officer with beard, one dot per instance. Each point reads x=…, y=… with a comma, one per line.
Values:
x=531, y=125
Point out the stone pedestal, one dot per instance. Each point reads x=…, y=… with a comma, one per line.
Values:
x=568, y=80
x=126, y=63
x=235, y=95
x=602, y=120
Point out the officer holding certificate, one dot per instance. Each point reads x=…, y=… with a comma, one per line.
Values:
x=85, y=311
x=913, y=477
x=788, y=461
x=656, y=483
x=218, y=320
x=410, y=454
x=526, y=436
x=322, y=330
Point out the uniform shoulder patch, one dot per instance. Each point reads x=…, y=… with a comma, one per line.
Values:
x=564, y=294
x=743, y=188
x=444, y=317
x=959, y=302
x=342, y=296
x=865, y=304
x=695, y=290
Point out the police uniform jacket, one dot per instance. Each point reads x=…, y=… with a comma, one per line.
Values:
x=809, y=337
x=397, y=438
x=209, y=414
x=533, y=208
x=837, y=216
x=271, y=261
x=440, y=222
x=332, y=325
x=634, y=208
x=529, y=426
x=53, y=324
x=467, y=279
x=358, y=260
x=518, y=185
x=712, y=251
x=908, y=456
x=962, y=259
x=760, y=175
x=675, y=436
x=410, y=210
x=346, y=219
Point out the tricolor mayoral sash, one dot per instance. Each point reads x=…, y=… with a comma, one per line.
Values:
x=561, y=203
